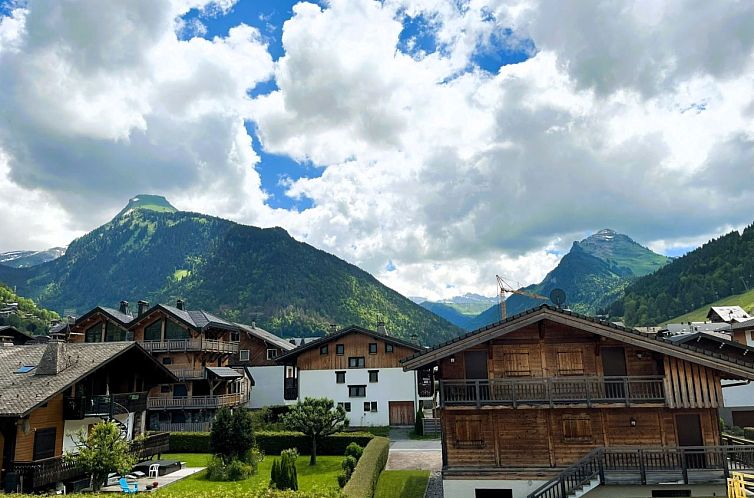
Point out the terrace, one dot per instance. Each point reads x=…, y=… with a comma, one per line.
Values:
x=194, y=344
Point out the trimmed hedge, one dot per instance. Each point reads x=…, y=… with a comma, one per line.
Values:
x=749, y=433
x=364, y=479
x=272, y=443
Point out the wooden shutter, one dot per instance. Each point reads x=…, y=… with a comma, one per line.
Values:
x=516, y=365
x=468, y=432
x=577, y=428
x=570, y=363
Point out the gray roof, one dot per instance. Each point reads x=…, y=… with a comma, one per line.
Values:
x=686, y=328
x=199, y=318
x=22, y=392
x=748, y=324
x=225, y=372
x=730, y=313
x=267, y=337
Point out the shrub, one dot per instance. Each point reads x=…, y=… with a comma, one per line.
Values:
x=189, y=442
x=343, y=478
x=273, y=442
x=232, y=433
x=749, y=433
x=354, y=450
x=419, y=422
x=238, y=470
x=252, y=459
x=283, y=474
x=216, y=469
x=364, y=478
x=234, y=470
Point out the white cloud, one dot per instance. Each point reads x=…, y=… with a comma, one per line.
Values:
x=633, y=116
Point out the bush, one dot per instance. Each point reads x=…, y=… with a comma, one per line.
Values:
x=273, y=442
x=364, y=478
x=283, y=474
x=216, y=470
x=268, y=418
x=343, y=479
x=749, y=433
x=232, y=434
x=419, y=422
x=235, y=470
x=354, y=450
x=252, y=459
x=238, y=471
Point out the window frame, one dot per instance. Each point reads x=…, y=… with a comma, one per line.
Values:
x=376, y=374
x=389, y=348
x=324, y=350
x=372, y=350
x=346, y=406
x=340, y=374
x=359, y=363
x=273, y=356
x=241, y=354
x=356, y=390
x=340, y=349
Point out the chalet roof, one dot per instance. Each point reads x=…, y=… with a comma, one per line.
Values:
x=745, y=325
x=689, y=327
x=23, y=389
x=353, y=329
x=686, y=351
x=266, y=336
x=715, y=337
x=121, y=318
x=224, y=372
x=729, y=313
x=198, y=319
x=19, y=335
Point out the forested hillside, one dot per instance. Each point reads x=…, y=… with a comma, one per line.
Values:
x=29, y=317
x=243, y=273
x=720, y=268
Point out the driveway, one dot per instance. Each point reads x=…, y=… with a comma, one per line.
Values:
x=413, y=454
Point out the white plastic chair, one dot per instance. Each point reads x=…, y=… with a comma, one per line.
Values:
x=154, y=470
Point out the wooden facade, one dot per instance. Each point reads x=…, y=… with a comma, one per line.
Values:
x=354, y=345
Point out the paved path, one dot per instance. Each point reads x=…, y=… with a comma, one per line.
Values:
x=413, y=454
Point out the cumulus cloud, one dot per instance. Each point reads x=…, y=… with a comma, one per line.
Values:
x=438, y=172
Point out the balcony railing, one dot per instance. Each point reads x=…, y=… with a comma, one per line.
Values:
x=46, y=472
x=185, y=427
x=195, y=344
x=105, y=405
x=159, y=403
x=552, y=391
x=188, y=373
x=649, y=465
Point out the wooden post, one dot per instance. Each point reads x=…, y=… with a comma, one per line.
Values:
x=476, y=390
x=642, y=468
x=684, y=467
x=726, y=469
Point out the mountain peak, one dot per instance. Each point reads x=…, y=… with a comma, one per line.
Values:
x=149, y=202
x=625, y=255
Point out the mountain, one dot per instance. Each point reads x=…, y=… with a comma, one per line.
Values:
x=593, y=274
x=722, y=267
x=152, y=251
x=744, y=300
x=448, y=313
x=25, y=259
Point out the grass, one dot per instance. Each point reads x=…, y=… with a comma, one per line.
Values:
x=402, y=484
x=745, y=300
x=323, y=476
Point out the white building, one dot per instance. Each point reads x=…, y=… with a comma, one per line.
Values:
x=360, y=370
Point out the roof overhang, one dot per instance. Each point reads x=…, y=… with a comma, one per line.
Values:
x=601, y=328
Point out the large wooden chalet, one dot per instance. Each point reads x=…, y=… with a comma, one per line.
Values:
x=550, y=403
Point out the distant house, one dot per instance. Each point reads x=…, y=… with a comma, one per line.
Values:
x=258, y=350
x=50, y=392
x=551, y=404
x=727, y=314
x=10, y=334
x=359, y=369
x=195, y=345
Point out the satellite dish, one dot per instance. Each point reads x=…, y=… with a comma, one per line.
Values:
x=558, y=297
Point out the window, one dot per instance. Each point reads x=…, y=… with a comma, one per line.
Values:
x=346, y=406
x=243, y=355
x=356, y=362
x=166, y=388
x=340, y=349
x=577, y=429
x=114, y=333
x=272, y=354
x=370, y=406
x=44, y=443
x=340, y=377
x=374, y=375
x=167, y=360
x=93, y=333
x=153, y=331
x=570, y=363
x=323, y=349
x=357, y=391
x=235, y=336
x=175, y=331
x=25, y=369
x=516, y=364
x=372, y=348
x=388, y=348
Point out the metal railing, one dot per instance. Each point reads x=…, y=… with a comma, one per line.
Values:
x=431, y=426
x=104, y=405
x=552, y=391
x=194, y=344
x=649, y=465
x=157, y=403
x=185, y=427
x=188, y=373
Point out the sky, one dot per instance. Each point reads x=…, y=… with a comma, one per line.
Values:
x=432, y=143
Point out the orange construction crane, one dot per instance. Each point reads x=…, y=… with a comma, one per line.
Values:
x=505, y=287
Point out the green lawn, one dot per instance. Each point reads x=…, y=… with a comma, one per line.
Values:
x=323, y=476
x=745, y=300
x=402, y=484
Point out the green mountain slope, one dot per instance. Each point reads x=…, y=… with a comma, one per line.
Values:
x=722, y=267
x=241, y=272
x=744, y=300
x=448, y=312
x=30, y=317
x=593, y=274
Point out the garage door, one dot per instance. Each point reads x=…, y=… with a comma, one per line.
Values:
x=401, y=412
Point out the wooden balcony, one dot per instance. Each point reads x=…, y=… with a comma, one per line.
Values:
x=188, y=373
x=648, y=465
x=197, y=344
x=185, y=427
x=553, y=391
x=191, y=402
x=105, y=406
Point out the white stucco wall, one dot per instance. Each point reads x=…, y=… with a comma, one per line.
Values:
x=738, y=396
x=268, y=386
x=465, y=488
x=72, y=427
x=393, y=385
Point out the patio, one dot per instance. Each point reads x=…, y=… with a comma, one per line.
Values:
x=162, y=481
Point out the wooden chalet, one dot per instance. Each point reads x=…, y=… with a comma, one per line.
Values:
x=196, y=346
x=50, y=392
x=550, y=403
x=11, y=335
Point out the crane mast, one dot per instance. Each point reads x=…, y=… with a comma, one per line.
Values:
x=504, y=287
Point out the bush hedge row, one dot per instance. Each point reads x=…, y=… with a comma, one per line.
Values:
x=272, y=443
x=364, y=479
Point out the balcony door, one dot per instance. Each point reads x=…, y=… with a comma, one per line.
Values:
x=614, y=365
x=475, y=363
x=689, y=428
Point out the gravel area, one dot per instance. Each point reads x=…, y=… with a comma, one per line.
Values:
x=434, y=486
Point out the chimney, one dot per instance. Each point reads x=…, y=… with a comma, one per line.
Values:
x=253, y=324
x=180, y=304
x=292, y=341
x=54, y=359
x=381, y=328
x=123, y=307
x=142, y=307
x=333, y=328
